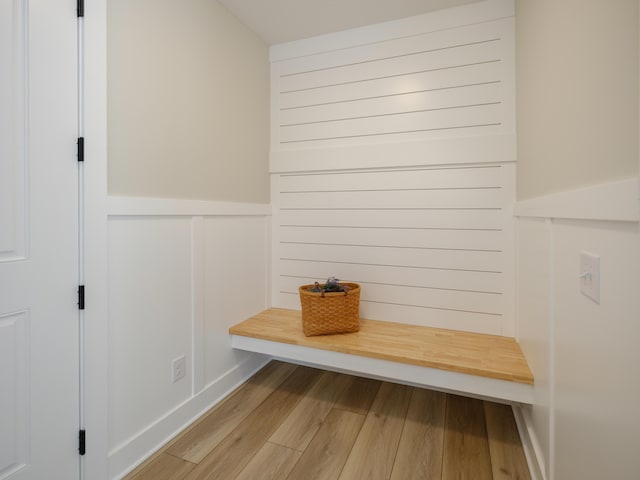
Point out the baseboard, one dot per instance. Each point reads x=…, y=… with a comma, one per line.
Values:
x=127, y=456
x=530, y=444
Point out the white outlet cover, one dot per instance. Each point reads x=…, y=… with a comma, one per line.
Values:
x=590, y=276
x=179, y=367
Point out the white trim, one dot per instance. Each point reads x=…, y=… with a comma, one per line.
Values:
x=446, y=151
x=95, y=192
x=460, y=383
x=516, y=279
x=429, y=22
x=268, y=262
x=552, y=349
x=127, y=206
x=508, y=185
x=198, y=304
x=131, y=453
x=530, y=444
x=82, y=373
x=616, y=201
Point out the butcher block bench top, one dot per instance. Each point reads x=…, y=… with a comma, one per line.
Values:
x=476, y=354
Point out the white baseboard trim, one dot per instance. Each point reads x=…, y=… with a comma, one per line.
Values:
x=615, y=201
x=127, y=456
x=530, y=444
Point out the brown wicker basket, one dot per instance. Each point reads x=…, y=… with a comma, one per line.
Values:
x=331, y=312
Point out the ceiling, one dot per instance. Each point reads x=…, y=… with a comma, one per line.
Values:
x=280, y=21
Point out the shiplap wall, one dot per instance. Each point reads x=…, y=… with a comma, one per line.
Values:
x=392, y=166
x=426, y=86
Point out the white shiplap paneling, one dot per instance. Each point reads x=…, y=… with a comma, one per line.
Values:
x=453, y=82
x=392, y=157
x=427, y=244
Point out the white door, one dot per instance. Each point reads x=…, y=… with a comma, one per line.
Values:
x=39, y=345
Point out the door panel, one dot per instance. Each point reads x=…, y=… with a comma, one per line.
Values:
x=14, y=393
x=13, y=28
x=39, y=345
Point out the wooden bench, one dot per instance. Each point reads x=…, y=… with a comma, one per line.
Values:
x=486, y=366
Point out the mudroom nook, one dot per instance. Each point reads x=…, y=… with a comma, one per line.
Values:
x=172, y=172
x=451, y=162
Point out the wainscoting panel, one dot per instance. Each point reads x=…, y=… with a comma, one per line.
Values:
x=177, y=281
x=149, y=320
x=534, y=327
x=583, y=354
x=235, y=284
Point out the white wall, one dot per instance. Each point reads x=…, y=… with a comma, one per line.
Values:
x=180, y=274
x=188, y=102
x=577, y=93
x=392, y=159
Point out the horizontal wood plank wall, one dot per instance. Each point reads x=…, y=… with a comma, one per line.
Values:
x=426, y=227
x=416, y=85
x=431, y=254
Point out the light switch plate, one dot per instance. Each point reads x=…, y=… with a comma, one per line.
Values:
x=590, y=276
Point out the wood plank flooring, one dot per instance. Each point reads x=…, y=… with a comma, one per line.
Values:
x=293, y=422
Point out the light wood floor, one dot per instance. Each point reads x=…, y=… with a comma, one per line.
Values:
x=292, y=422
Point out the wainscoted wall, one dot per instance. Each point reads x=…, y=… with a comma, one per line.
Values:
x=180, y=273
x=392, y=159
x=584, y=356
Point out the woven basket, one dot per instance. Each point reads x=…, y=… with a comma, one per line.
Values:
x=330, y=312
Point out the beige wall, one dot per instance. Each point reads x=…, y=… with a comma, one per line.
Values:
x=188, y=100
x=577, y=93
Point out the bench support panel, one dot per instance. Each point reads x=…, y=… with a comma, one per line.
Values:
x=453, y=382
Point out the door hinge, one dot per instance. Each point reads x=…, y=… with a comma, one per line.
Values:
x=81, y=297
x=81, y=149
x=82, y=446
x=80, y=8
